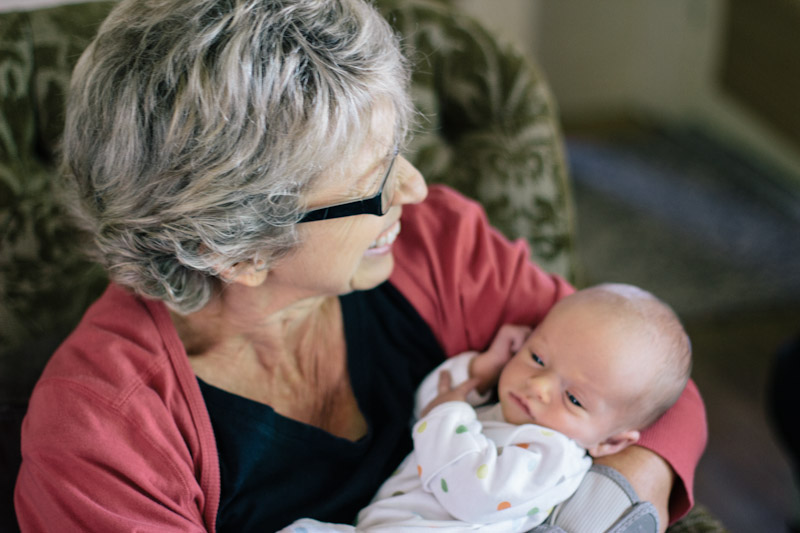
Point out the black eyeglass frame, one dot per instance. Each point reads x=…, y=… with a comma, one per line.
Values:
x=364, y=206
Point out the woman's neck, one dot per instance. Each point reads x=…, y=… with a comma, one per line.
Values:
x=245, y=314
x=276, y=357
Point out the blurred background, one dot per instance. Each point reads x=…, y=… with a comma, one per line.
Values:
x=682, y=122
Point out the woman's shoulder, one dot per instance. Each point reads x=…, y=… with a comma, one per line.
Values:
x=443, y=207
x=113, y=402
x=463, y=276
x=435, y=234
x=441, y=230
x=118, y=346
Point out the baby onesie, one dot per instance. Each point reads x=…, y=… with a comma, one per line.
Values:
x=470, y=471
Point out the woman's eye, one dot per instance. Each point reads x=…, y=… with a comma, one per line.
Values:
x=573, y=400
x=537, y=359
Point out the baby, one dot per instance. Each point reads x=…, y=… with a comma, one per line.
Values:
x=604, y=363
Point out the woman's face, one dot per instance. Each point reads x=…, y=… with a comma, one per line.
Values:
x=339, y=255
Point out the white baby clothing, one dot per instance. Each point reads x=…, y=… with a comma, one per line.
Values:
x=470, y=471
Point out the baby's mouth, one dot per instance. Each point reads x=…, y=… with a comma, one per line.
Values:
x=522, y=405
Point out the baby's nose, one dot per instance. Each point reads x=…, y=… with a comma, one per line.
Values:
x=541, y=388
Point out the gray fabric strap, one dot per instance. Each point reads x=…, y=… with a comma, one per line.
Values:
x=604, y=503
x=641, y=518
x=546, y=528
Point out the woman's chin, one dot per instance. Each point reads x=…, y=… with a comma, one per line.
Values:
x=376, y=266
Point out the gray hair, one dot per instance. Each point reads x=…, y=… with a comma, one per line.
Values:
x=194, y=128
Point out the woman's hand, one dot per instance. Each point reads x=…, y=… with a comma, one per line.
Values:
x=486, y=367
x=449, y=394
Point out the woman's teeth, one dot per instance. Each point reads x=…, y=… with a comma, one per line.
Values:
x=388, y=237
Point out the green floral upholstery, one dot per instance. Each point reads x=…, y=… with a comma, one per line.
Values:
x=45, y=284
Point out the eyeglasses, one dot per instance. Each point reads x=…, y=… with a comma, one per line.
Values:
x=374, y=205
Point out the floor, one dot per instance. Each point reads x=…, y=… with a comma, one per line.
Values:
x=674, y=211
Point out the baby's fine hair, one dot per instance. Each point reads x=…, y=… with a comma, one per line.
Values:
x=671, y=347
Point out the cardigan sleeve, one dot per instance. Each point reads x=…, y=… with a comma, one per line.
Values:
x=680, y=436
x=89, y=466
x=466, y=280
x=110, y=442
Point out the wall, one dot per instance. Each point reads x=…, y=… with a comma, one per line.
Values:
x=512, y=20
x=630, y=56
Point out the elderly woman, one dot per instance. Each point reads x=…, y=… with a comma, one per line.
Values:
x=282, y=279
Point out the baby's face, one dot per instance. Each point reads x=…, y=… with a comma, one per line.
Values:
x=577, y=373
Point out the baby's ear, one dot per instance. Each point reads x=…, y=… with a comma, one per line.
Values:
x=615, y=443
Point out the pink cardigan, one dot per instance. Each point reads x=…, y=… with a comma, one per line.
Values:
x=117, y=437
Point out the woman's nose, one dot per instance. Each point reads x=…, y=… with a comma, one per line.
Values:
x=411, y=187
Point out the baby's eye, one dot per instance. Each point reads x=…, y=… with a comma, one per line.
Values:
x=573, y=400
x=537, y=359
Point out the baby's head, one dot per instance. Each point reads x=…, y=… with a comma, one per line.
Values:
x=604, y=363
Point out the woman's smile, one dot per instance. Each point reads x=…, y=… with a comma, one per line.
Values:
x=383, y=243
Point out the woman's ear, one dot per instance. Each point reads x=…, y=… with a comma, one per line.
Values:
x=247, y=273
x=615, y=443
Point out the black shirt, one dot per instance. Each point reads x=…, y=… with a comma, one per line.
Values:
x=276, y=470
